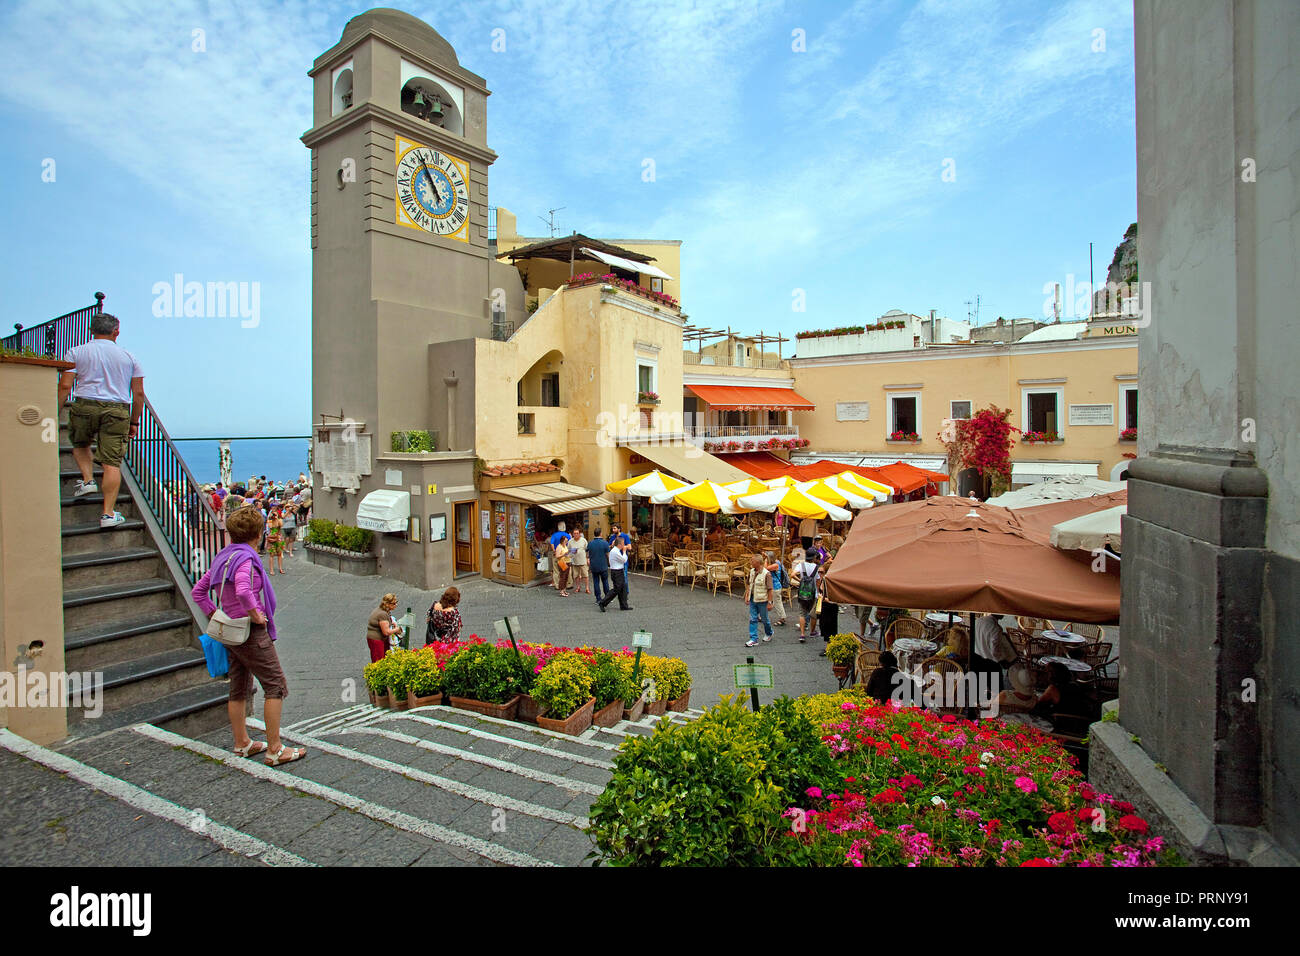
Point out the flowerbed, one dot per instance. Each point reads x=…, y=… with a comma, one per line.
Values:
x=838, y=779
x=590, y=278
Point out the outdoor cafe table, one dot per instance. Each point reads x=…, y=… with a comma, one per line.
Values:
x=905, y=647
x=1071, y=642
x=1076, y=667
x=943, y=619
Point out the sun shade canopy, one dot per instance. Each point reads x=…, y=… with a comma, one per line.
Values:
x=627, y=264
x=751, y=398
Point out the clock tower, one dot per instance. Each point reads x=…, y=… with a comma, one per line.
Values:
x=400, y=263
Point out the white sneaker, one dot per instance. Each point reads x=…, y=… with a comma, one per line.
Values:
x=111, y=521
x=85, y=488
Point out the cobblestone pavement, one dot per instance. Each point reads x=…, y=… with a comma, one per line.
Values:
x=321, y=621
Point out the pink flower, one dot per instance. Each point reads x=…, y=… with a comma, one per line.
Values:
x=813, y=792
x=1026, y=784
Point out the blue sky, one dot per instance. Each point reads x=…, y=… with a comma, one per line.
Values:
x=821, y=170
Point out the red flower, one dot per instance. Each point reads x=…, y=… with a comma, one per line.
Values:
x=1061, y=822
x=1123, y=806
x=888, y=796
x=1037, y=861
x=1134, y=823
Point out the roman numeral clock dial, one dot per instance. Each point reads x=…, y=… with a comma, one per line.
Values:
x=432, y=191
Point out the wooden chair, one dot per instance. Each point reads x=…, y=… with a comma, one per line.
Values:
x=944, y=667
x=667, y=569
x=1105, y=688
x=740, y=570
x=714, y=556
x=904, y=627
x=864, y=676
x=645, y=556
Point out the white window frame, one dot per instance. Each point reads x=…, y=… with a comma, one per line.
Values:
x=1121, y=419
x=1058, y=391
x=889, y=406
x=653, y=366
x=968, y=401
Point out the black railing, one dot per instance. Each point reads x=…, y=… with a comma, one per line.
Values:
x=183, y=512
x=181, y=509
x=55, y=337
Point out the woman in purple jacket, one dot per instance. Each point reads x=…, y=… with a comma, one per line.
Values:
x=247, y=593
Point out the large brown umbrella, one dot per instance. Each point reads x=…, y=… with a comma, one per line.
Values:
x=955, y=554
x=1040, y=518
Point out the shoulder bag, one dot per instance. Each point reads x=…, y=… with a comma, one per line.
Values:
x=227, y=630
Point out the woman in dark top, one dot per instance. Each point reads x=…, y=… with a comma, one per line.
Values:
x=1063, y=695
x=828, y=622
x=880, y=684
x=444, y=618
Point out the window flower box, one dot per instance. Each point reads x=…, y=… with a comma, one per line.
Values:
x=1129, y=434
x=902, y=436
x=1041, y=438
x=647, y=398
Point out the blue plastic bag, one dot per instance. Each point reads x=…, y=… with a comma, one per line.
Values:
x=218, y=659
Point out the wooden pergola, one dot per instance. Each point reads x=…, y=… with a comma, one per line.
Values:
x=569, y=249
x=701, y=335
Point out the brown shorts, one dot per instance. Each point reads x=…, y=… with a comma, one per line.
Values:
x=256, y=657
x=107, y=424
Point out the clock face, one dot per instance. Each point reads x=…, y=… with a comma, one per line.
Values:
x=431, y=191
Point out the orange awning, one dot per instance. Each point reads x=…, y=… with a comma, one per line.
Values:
x=760, y=464
x=751, y=397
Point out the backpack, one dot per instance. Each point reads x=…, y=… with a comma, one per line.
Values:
x=807, y=582
x=778, y=577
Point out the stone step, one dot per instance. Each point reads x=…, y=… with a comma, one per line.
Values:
x=584, y=743
x=109, y=642
x=83, y=607
x=194, y=710
x=88, y=508
x=145, y=679
x=85, y=538
x=68, y=478
x=326, y=823
x=112, y=566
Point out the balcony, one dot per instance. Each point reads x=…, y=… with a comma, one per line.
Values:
x=715, y=438
x=730, y=361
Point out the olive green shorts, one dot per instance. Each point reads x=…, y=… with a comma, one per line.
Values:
x=107, y=424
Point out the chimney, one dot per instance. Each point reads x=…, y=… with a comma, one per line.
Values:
x=451, y=381
x=934, y=333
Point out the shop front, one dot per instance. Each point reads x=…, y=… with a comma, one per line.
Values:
x=519, y=518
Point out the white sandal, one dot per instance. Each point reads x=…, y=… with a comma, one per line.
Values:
x=254, y=748
x=285, y=755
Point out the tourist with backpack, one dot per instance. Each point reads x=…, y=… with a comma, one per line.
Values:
x=779, y=581
x=805, y=579
x=758, y=597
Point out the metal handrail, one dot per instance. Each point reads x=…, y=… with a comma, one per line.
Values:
x=183, y=513
x=55, y=337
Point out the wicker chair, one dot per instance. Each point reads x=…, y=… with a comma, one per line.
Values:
x=1097, y=655
x=718, y=576
x=1040, y=646
x=904, y=627
x=1032, y=624
x=1020, y=639
x=1090, y=631
x=866, y=662
x=645, y=555
x=944, y=667
x=667, y=569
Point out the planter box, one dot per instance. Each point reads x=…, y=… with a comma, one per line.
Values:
x=635, y=711
x=841, y=671
x=681, y=703
x=528, y=709
x=395, y=702
x=380, y=700
x=413, y=702
x=609, y=715
x=347, y=562
x=504, y=711
x=574, y=724
x=657, y=709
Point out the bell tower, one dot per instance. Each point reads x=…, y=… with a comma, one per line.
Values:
x=401, y=261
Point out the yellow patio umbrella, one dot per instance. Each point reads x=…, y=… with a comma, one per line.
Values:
x=822, y=492
x=785, y=481
x=707, y=496
x=879, y=490
x=792, y=503
x=856, y=496
x=643, y=486
x=745, y=486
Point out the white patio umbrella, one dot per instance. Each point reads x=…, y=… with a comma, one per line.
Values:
x=856, y=496
x=1056, y=489
x=879, y=490
x=1091, y=531
x=646, y=486
x=707, y=496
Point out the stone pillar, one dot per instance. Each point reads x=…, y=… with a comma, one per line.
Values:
x=1208, y=739
x=224, y=456
x=451, y=381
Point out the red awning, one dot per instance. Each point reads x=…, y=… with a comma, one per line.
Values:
x=751, y=397
x=761, y=464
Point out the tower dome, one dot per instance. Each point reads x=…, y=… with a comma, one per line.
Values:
x=404, y=28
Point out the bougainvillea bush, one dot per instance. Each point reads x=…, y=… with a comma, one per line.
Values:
x=902, y=787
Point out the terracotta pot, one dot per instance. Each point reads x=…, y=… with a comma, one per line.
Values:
x=841, y=671
x=574, y=724
x=395, y=702
x=657, y=709
x=609, y=715
x=375, y=701
x=413, y=701
x=381, y=698
x=504, y=711
x=635, y=711
x=528, y=709
x=681, y=703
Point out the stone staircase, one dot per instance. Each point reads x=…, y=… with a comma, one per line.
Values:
x=126, y=617
x=428, y=787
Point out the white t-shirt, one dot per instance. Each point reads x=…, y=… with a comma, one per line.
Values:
x=104, y=371
x=617, y=559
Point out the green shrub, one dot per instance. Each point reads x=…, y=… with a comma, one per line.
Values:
x=610, y=681
x=672, y=677
x=321, y=531
x=376, y=675
x=563, y=686
x=485, y=673
x=710, y=792
x=353, y=539
x=425, y=678
x=413, y=440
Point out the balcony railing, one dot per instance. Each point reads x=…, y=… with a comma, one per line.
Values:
x=742, y=431
x=730, y=361
x=55, y=337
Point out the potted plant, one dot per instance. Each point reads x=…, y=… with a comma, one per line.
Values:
x=841, y=651
x=563, y=690
x=655, y=702
x=375, y=675
x=674, y=683
x=1128, y=434
x=611, y=684
x=425, y=688
x=485, y=680
x=401, y=675
x=901, y=435
x=533, y=657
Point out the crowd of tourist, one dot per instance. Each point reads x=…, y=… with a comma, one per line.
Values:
x=285, y=508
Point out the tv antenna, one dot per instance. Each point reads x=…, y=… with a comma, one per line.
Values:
x=550, y=223
x=973, y=316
